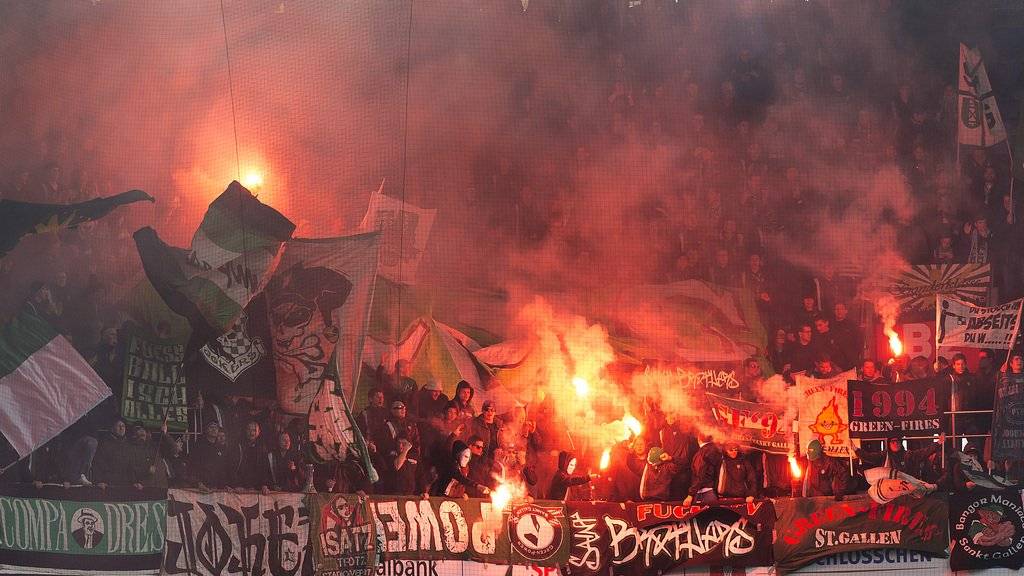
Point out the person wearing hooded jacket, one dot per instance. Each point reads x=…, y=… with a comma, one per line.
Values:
x=737, y=477
x=453, y=479
x=898, y=458
x=706, y=463
x=656, y=480
x=824, y=475
x=464, y=400
x=429, y=401
x=564, y=477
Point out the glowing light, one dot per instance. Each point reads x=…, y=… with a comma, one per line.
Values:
x=501, y=496
x=606, y=458
x=253, y=180
x=632, y=424
x=794, y=467
x=581, y=385
x=894, y=343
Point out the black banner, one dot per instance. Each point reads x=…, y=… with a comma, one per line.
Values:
x=154, y=383
x=1008, y=419
x=81, y=529
x=240, y=362
x=650, y=538
x=909, y=408
x=987, y=529
x=812, y=528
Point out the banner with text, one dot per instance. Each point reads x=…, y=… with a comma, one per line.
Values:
x=760, y=426
x=81, y=530
x=987, y=529
x=916, y=286
x=534, y=533
x=218, y=533
x=1008, y=419
x=811, y=528
x=154, y=383
x=908, y=408
x=650, y=538
x=343, y=534
x=824, y=415
x=963, y=324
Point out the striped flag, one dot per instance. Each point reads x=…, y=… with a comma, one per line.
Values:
x=45, y=385
x=233, y=253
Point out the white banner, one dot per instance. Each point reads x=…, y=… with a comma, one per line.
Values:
x=404, y=231
x=961, y=324
x=824, y=413
x=227, y=533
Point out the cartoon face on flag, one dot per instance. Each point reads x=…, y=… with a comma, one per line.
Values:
x=824, y=414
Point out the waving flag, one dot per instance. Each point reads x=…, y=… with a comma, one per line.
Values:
x=45, y=385
x=233, y=253
x=319, y=302
x=18, y=219
x=980, y=123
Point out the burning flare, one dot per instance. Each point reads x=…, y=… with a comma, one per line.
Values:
x=606, y=457
x=253, y=180
x=501, y=496
x=581, y=385
x=632, y=424
x=794, y=467
x=895, y=344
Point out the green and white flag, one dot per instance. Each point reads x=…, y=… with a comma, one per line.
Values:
x=233, y=253
x=45, y=385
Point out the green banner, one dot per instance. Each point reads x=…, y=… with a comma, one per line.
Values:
x=812, y=528
x=154, y=383
x=74, y=529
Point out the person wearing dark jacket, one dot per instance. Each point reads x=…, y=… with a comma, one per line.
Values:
x=737, y=477
x=656, y=481
x=208, y=463
x=464, y=400
x=453, y=478
x=253, y=469
x=824, y=475
x=898, y=458
x=706, y=464
x=486, y=426
x=287, y=471
x=114, y=463
x=629, y=460
x=564, y=477
x=429, y=401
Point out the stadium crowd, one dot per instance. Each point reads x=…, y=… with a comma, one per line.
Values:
x=748, y=138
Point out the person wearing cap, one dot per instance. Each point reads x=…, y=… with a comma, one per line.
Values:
x=824, y=475
x=429, y=401
x=566, y=477
x=208, y=464
x=400, y=445
x=706, y=464
x=659, y=470
x=486, y=426
x=737, y=477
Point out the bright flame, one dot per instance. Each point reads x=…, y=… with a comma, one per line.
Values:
x=501, y=496
x=606, y=458
x=894, y=343
x=633, y=424
x=253, y=180
x=794, y=467
x=581, y=385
